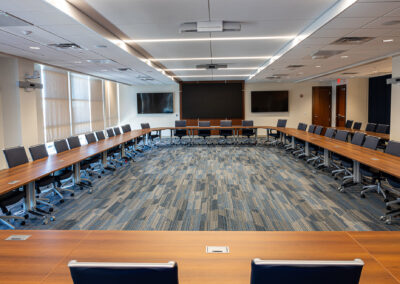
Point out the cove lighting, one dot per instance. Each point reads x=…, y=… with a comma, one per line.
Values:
x=289, y=37
x=205, y=76
x=203, y=69
x=209, y=58
x=34, y=47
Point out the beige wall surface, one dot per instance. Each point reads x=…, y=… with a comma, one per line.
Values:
x=395, y=105
x=357, y=100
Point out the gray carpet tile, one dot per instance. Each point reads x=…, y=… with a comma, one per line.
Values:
x=218, y=188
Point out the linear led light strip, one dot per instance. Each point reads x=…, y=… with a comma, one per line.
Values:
x=331, y=13
x=209, y=39
x=208, y=58
x=205, y=69
x=205, y=76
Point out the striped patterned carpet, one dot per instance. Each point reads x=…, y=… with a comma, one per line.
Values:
x=218, y=188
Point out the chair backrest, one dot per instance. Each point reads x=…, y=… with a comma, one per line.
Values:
x=330, y=132
x=370, y=127
x=305, y=271
x=247, y=123
x=90, y=138
x=110, y=132
x=357, y=125
x=302, y=126
x=311, y=128
x=126, y=128
x=117, y=131
x=61, y=145
x=15, y=156
x=382, y=128
x=393, y=148
x=281, y=123
x=342, y=135
x=358, y=138
x=180, y=123
x=318, y=130
x=349, y=124
x=371, y=142
x=100, y=135
x=123, y=273
x=226, y=123
x=204, y=124
x=74, y=142
x=145, y=125
x=38, y=152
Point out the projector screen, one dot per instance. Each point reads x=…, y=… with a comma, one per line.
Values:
x=212, y=100
x=270, y=101
x=155, y=103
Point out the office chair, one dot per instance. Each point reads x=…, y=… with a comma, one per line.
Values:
x=97, y=159
x=277, y=134
x=126, y=158
x=248, y=132
x=349, y=124
x=111, y=153
x=151, y=136
x=314, y=148
x=329, y=133
x=301, y=126
x=130, y=145
x=59, y=181
x=300, y=153
x=12, y=199
x=225, y=132
x=123, y=273
x=341, y=135
x=204, y=132
x=357, y=125
x=180, y=132
x=370, y=127
x=382, y=128
x=305, y=271
x=17, y=156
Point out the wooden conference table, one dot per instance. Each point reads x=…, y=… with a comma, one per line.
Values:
x=382, y=136
x=43, y=257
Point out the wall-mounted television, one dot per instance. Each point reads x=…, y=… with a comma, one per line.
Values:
x=155, y=103
x=270, y=101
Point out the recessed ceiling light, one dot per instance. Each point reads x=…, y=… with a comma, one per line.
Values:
x=300, y=73
x=210, y=39
x=34, y=47
x=344, y=56
x=318, y=66
x=209, y=58
x=26, y=32
x=77, y=62
x=388, y=40
x=103, y=70
x=101, y=46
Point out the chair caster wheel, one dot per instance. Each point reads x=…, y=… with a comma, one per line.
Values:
x=102, y=172
x=52, y=218
x=72, y=194
x=23, y=223
x=81, y=187
x=26, y=216
x=90, y=175
x=386, y=200
x=336, y=178
x=99, y=177
x=341, y=189
x=383, y=218
x=45, y=221
x=51, y=209
x=61, y=200
x=90, y=191
x=388, y=222
x=362, y=195
x=388, y=208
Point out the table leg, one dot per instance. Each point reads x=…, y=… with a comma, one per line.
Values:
x=307, y=149
x=123, y=154
x=30, y=196
x=104, y=158
x=171, y=138
x=293, y=142
x=256, y=134
x=268, y=131
x=135, y=143
x=356, y=172
x=326, y=158
x=77, y=173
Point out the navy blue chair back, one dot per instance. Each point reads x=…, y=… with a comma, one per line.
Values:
x=126, y=128
x=302, y=126
x=145, y=125
x=349, y=124
x=318, y=130
x=226, y=123
x=247, y=123
x=38, y=152
x=110, y=132
x=371, y=142
x=180, y=123
x=61, y=145
x=123, y=273
x=342, y=135
x=100, y=135
x=90, y=138
x=311, y=128
x=74, y=142
x=357, y=125
x=204, y=124
x=15, y=156
x=370, y=127
x=305, y=272
x=117, y=131
x=330, y=132
x=382, y=128
x=281, y=123
x=358, y=138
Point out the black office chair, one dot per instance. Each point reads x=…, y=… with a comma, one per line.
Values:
x=225, y=132
x=151, y=136
x=382, y=128
x=127, y=157
x=16, y=156
x=314, y=148
x=7, y=200
x=97, y=165
x=277, y=134
x=123, y=273
x=305, y=271
x=117, y=131
x=329, y=133
x=349, y=124
x=301, y=126
x=370, y=127
x=340, y=135
x=248, y=132
x=111, y=153
x=180, y=132
x=59, y=181
x=204, y=132
x=300, y=153
x=130, y=145
x=357, y=125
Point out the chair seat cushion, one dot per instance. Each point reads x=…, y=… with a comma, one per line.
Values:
x=45, y=181
x=368, y=172
x=63, y=175
x=10, y=198
x=347, y=163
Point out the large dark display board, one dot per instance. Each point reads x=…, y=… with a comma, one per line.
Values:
x=270, y=101
x=155, y=103
x=212, y=100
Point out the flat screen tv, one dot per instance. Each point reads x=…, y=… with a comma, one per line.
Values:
x=155, y=103
x=270, y=101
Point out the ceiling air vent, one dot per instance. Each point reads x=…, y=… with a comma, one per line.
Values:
x=7, y=20
x=66, y=45
x=324, y=54
x=353, y=40
x=209, y=26
x=99, y=61
x=293, y=66
x=391, y=23
x=349, y=73
x=280, y=75
x=272, y=78
x=144, y=78
x=212, y=66
x=124, y=69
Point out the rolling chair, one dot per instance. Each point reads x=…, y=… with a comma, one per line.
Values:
x=180, y=132
x=305, y=271
x=9, y=199
x=111, y=153
x=289, y=147
x=382, y=128
x=151, y=136
x=277, y=134
x=130, y=145
x=60, y=181
x=204, y=133
x=370, y=127
x=117, y=131
x=341, y=135
x=97, y=165
x=349, y=124
x=248, y=132
x=301, y=152
x=357, y=125
x=313, y=148
x=16, y=156
x=225, y=132
x=123, y=273
x=329, y=133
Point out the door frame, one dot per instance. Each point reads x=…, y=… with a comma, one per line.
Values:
x=345, y=103
x=330, y=103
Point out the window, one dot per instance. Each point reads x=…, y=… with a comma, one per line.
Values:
x=111, y=103
x=80, y=104
x=96, y=104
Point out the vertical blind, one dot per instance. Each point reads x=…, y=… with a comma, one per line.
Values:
x=80, y=104
x=111, y=103
x=97, y=105
x=56, y=105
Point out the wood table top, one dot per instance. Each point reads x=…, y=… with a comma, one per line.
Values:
x=44, y=256
x=382, y=136
x=18, y=176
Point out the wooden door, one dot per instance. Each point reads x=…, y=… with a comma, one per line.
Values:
x=321, y=106
x=341, y=105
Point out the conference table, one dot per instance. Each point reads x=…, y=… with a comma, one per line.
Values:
x=383, y=136
x=44, y=256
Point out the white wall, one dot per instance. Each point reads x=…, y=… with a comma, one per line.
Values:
x=395, y=104
x=357, y=100
x=128, y=106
